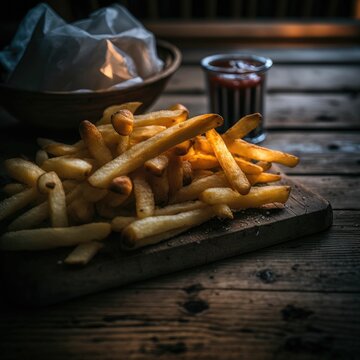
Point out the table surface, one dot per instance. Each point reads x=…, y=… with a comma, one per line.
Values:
x=298, y=300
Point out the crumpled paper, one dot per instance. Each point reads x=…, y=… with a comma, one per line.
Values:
x=109, y=50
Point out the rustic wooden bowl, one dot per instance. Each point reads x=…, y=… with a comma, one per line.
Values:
x=65, y=110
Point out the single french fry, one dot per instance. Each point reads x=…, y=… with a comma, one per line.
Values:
x=265, y=165
x=50, y=238
x=83, y=253
x=223, y=211
x=263, y=178
x=106, y=118
x=40, y=157
x=95, y=142
x=123, y=145
x=256, y=152
x=208, y=161
x=163, y=117
x=180, y=107
x=81, y=211
x=23, y=171
x=202, y=161
x=257, y=196
x=233, y=172
x=152, y=240
x=121, y=185
x=60, y=149
x=136, y=156
x=118, y=223
x=175, y=174
x=68, y=167
x=123, y=122
x=160, y=188
x=192, y=191
x=242, y=127
x=50, y=184
x=157, y=165
x=143, y=133
x=154, y=225
x=179, y=207
x=13, y=188
x=187, y=173
x=31, y=218
x=145, y=202
x=17, y=202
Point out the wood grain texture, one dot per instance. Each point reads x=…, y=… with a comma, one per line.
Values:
x=326, y=262
x=179, y=324
x=35, y=279
x=281, y=78
x=307, y=111
x=298, y=56
x=320, y=152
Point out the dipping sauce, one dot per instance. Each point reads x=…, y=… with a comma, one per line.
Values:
x=236, y=87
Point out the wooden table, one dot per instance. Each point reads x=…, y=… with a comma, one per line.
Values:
x=298, y=300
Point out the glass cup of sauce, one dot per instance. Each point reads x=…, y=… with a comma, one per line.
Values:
x=236, y=87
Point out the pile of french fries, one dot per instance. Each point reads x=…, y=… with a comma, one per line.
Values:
x=148, y=177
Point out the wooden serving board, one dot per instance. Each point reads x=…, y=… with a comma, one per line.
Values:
x=40, y=278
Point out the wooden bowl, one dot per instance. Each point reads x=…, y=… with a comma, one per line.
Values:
x=65, y=110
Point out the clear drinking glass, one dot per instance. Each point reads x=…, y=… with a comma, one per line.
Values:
x=236, y=85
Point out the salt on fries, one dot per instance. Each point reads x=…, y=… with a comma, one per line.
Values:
x=148, y=177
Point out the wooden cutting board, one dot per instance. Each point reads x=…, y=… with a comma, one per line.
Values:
x=40, y=278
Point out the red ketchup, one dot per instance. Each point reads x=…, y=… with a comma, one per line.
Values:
x=236, y=87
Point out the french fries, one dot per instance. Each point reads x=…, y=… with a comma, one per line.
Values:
x=139, y=153
x=68, y=167
x=49, y=183
x=16, y=202
x=232, y=171
x=23, y=171
x=163, y=117
x=83, y=253
x=257, y=152
x=157, y=165
x=50, y=238
x=95, y=143
x=242, y=127
x=255, y=198
x=192, y=191
x=150, y=177
x=106, y=118
x=155, y=225
x=145, y=203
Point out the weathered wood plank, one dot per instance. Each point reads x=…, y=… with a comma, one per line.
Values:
x=326, y=262
x=290, y=111
x=319, y=152
x=342, y=192
x=280, y=55
x=176, y=324
x=282, y=78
